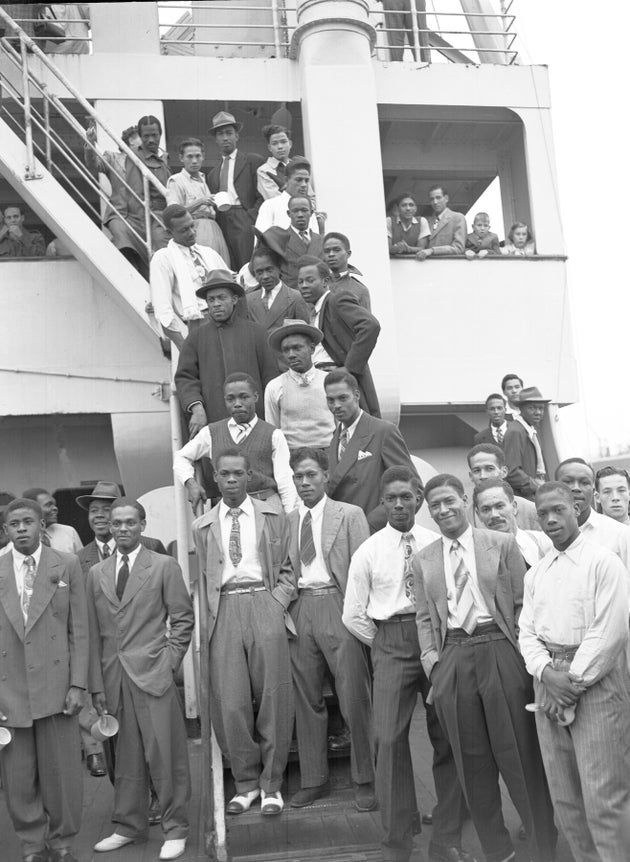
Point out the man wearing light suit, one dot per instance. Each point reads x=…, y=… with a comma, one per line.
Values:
x=324, y=536
x=469, y=594
x=132, y=665
x=362, y=448
x=243, y=548
x=448, y=228
x=43, y=677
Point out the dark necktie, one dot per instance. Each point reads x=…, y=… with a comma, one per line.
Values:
x=29, y=581
x=307, y=543
x=304, y=237
x=123, y=577
x=266, y=299
x=408, y=572
x=105, y=552
x=224, y=175
x=236, y=555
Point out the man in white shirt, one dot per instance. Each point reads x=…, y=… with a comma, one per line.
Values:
x=243, y=549
x=573, y=637
x=274, y=211
x=487, y=461
x=61, y=537
x=296, y=401
x=324, y=535
x=177, y=272
x=469, y=588
x=270, y=477
x=495, y=505
x=495, y=432
x=612, y=492
x=580, y=478
x=379, y=609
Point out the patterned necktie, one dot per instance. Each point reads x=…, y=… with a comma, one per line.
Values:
x=105, y=552
x=499, y=436
x=266, y=299
x=200, y=266
x=123, y=577
x=236, y=555
x=307, y=543
x=466, y=610
x=343, y=443
x=29, y=581
x=408, y=573
x=304, y=237
x=241, y=432
x=224, y=175
x=435, y=224
x=45, y=539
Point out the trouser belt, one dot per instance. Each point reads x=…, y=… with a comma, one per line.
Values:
x=482, y=634
x=244, y=588
x=318, y=591
x=397, y=618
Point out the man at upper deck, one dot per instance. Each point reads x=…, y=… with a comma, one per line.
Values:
x=448, y=228
x=15, y=240
x=274, y=211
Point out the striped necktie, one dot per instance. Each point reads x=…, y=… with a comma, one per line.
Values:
x=343, y=443
x=466, y=609
x=29, y=583
x=307, y=542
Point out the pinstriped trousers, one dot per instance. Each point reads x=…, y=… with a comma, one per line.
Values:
x=588, y=768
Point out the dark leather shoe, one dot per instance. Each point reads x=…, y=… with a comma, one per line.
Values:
x=364, y=798
x=308, y=795
x=62, y=855
x=341, y=742
x=37, y=857
x=427, y=819
x=449, y=854
x=96, y=765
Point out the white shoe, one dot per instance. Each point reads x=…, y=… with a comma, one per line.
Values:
x=172, y=848
x=272, y=803
x=114, y=842
x=242, y=802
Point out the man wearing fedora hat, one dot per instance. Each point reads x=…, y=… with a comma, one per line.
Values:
x=237, y=178
x=523, y=453
x=227, y=343
x=295, y=401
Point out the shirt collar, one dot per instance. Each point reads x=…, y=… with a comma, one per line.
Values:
x=572, y=552
x=315, y=511
x=132, y=556
x=306, y=230
x=465, y=540
x=247, y=507
x=19, y=558
x=302, y=379
x=352, y=428
x=414, y=220
x=318, y=305
x=200, y=178
x=232, y=423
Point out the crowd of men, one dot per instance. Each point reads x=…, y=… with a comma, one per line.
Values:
x=511, y=618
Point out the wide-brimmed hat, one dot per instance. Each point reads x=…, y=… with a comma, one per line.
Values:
x=532, y=393
x=294, y=327
x=102, y=491
x=223, y=119
x=220, y=278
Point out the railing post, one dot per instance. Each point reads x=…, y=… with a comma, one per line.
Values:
x=147, y=213
x=276, y=27
x=47, y=127
x=30, y=172
x=414, y=28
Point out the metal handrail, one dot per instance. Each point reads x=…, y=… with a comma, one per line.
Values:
x=29, y=49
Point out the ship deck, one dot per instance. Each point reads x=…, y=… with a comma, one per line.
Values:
x=331, y=830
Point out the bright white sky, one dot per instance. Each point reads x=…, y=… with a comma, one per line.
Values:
x=589, y=73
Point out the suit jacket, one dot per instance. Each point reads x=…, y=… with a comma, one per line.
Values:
x=287, y=243
x=41, y=660
x=375, y=445
x=89, y=555
x=351, y=282
x=350, y=336
x=272, y=532
x=485, y=436
x=130, y=634
x=245, y=180
x=500, y=573
x=287, y=304
x=520, y=457
x=344, y=528
x=449, y=237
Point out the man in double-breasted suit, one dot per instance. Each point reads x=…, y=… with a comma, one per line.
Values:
x=469, y=594
x=243, y=548
x=43, y=677
x=273, y=302
x=132, y=665
x=350, y=332
x=362, y=447
x=324, y=536
x=295, y=241
x=448, y=228
x=236, y=176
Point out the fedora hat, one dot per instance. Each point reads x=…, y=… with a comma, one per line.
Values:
x=220, y=278
x=223, y=119
x=102, y=491
x=294, y=327
x=532, y=393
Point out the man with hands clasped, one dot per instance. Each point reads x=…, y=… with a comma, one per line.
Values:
x=43, y=676
x=132, y=667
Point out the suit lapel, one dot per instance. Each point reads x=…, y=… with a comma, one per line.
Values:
x=487, y=562
x=239, y=163
x=280, y=305
x=331, y=522
x=108, y=579
x=435, y=583
x=92, y=555
x=9, y=598
x=138, y=575
x=49, y=574
x=359, y=441
x=442, y=223
x=294, y=546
